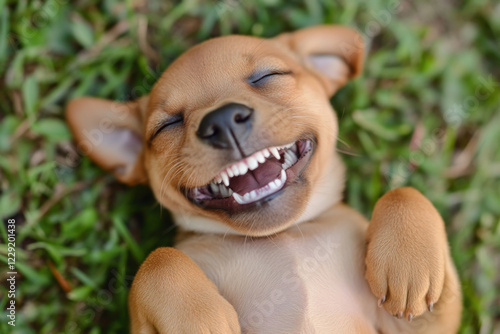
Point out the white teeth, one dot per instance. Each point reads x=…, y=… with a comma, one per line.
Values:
x=260, y=157
x=236, y=170
x=252, y=163
x=290, y=159
x=275, y=152
x=242, y=168
x=253, y=194
x=265, y=191
x=281, y=180
x=238, y=198
x=225, y=178
x=214, y=187
x=225, y=192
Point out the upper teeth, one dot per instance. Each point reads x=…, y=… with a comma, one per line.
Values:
x=274, y=151
x=252, y=162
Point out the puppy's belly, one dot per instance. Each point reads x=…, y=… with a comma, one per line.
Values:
x=308, y=279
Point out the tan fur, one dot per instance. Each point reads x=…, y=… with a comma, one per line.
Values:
x=195, y=301
x=302, y=263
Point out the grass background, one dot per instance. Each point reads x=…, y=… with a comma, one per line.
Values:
x=425, y=113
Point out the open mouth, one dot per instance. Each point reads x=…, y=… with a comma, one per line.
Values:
x=253, y=179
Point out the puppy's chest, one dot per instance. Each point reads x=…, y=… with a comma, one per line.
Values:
x=294, y=282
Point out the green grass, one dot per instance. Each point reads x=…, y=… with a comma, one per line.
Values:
x=420, y=115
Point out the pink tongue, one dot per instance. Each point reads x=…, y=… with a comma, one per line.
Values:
x=269, y=171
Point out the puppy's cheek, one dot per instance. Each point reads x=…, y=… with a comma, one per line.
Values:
x=167, y=195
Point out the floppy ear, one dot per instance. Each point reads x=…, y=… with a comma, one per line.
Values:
x=110, y=133
x=334, y=53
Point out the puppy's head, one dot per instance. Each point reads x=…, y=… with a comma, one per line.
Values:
x=238, y=133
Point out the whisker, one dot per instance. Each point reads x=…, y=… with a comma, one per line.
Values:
x=348, y=153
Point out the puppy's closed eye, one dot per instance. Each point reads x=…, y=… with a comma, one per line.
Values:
x=260, y=78
x=171, y=121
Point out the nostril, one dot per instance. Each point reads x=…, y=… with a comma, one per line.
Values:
x=208, y=132
x=242, y=117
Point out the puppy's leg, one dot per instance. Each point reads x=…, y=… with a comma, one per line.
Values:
x=171, y=294
x=408, y=266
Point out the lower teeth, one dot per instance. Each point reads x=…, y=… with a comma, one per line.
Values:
x=225, y=192
x=265, y=191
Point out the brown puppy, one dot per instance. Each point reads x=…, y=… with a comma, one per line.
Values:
x=237, y=139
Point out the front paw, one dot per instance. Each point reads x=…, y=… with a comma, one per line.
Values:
x=406, y=285
x=171, y=294
x=406, y=254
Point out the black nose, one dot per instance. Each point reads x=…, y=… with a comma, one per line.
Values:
x=225, y=125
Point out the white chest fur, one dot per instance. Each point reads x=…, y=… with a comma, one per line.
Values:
x=308, y=279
